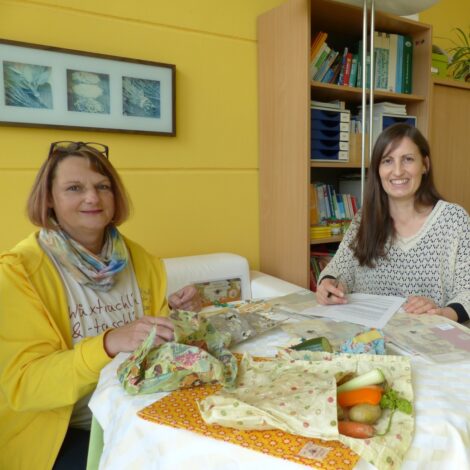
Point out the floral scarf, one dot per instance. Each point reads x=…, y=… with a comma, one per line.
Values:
x=94, y=271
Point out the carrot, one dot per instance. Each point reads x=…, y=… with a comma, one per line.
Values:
x=357, y=430
x=371, y=395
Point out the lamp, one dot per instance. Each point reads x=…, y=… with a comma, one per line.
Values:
x=395, y=7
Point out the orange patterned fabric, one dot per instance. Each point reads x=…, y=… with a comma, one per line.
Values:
x=179, y=410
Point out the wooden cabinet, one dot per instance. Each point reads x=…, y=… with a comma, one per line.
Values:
x=449, y=139
x=285, y=91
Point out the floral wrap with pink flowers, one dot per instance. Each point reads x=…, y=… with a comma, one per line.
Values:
x=198, y=355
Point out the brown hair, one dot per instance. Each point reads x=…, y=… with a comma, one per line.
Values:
x=38, y=209
x=376, y=225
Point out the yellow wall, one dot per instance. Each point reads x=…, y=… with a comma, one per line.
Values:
x=193, y=193
x=444, y=16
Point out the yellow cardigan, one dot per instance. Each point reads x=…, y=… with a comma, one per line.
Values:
x=41, y=374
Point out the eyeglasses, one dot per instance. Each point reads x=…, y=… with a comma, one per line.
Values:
x=68, y=147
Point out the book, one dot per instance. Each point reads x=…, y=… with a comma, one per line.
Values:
x=347, y=206
x=354, y=204
x=343, y=66
x=329, y=75
x=347, y=72
x=314, y=215
x=326, y=65
x=392, y=62
x=407, y=72
x=381, y=59
x=317, y=42
x=341, y=208
x=323, y=214
x=399, y=75
x=360, y=66
x=332, y=74
x=354, y=67
x=318, y=60
x=387, y=107
x=331, y=200
x=336, y=104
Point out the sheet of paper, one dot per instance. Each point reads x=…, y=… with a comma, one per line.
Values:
x=296, y=302
x=373, y=311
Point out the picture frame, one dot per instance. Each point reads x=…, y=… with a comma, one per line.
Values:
x=45, y=86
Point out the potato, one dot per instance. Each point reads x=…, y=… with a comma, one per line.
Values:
x=365, y=413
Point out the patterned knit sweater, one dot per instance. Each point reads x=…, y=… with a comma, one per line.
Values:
x=434, y=263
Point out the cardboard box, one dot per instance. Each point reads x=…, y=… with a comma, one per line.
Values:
x=439, y=65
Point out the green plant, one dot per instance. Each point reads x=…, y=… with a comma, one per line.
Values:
x=459, y=66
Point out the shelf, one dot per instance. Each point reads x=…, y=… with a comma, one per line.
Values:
x=285, y=92
x=318, y=241
x=322, y=91
x=332, y=164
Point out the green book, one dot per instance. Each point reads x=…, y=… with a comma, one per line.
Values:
x=407, y=69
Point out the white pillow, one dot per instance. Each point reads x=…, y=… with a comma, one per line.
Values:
x=186, y=270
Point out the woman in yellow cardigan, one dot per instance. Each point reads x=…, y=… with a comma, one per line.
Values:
x=72, y=296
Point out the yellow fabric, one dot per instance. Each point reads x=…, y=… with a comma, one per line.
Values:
x=41, y=374
x=289, y=395
x=179, y=410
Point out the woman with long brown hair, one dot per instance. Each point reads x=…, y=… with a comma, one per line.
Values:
x=406, y=240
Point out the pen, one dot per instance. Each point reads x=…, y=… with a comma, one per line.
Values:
x=336, y=285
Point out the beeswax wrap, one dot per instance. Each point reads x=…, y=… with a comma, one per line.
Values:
x=198, y=355
x=297, y=393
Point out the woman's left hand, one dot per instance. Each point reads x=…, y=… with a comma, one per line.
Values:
x=187, y=298
x=418, y=304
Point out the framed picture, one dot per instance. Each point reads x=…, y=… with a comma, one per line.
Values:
x=45, y=86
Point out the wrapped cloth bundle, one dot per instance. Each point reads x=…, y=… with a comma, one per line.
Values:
x=297, y=393
x=198, y=355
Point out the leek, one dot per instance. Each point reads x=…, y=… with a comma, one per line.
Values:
x=373, y=377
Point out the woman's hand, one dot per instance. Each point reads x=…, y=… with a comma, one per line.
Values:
x=419, y=305
x=187, y=298
x=331, y=292
x=128, y=337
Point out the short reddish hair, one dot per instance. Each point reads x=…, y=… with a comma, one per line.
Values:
x=38, y=209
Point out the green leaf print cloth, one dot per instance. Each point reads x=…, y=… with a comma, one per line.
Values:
x=198, y=355
x=296, y=392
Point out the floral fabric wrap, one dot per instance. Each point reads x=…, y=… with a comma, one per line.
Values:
x=198, y=355
x=296, y=392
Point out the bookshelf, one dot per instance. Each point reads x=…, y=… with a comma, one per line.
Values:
x=285, y=91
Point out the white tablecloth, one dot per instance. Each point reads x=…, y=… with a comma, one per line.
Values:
x=441, y=440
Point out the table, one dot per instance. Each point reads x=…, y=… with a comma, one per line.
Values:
x=441, y=440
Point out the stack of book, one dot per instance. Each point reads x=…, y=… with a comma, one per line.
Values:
x=327, y=204
x=330, y=66
x=393, y=62
x=320, y=231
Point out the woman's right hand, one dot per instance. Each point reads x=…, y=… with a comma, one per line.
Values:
x=331, y=292
x=128, y=337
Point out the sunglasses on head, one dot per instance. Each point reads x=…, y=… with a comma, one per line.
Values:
x=68, y=147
